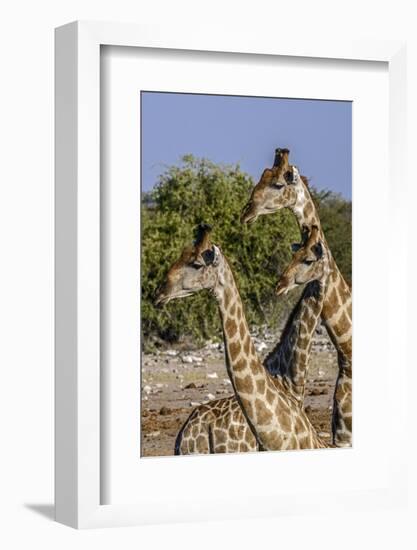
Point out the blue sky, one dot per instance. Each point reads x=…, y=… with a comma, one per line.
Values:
x=246, y=130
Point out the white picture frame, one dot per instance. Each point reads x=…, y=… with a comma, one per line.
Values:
x=78, y=449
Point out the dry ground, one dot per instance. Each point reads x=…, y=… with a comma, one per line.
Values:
x=174, y=381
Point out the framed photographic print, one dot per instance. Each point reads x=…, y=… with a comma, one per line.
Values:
x=220, y=213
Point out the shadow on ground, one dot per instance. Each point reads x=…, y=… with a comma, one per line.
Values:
x=45, y=510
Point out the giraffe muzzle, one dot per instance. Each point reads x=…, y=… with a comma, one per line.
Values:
x=248, y=215
x=160, y=300
x=282, y=287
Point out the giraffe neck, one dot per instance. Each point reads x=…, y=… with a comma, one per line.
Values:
x=258, y=395
x=304, y=208
x=290, y=358
x=338, y=295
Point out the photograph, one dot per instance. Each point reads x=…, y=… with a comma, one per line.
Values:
x=246, y=274
x=207, y=209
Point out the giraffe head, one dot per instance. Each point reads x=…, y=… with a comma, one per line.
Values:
x=309, y=263
x=196, y=269
x=279, y=187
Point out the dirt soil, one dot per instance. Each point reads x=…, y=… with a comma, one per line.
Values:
x=174, y=381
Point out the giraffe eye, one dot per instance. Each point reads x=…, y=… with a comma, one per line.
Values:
x=278, y=185
x=308, y=262
x=196, y=265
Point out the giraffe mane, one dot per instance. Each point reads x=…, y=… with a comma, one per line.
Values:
x=273, y=367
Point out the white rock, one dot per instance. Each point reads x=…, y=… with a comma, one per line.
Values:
x=211, y=345
x=159, y=385
x=171, y=352
x=147, y=389
x=192, y=359
x=211, y=396
x=261, y=346
x=212, y=375
x=195, y=403
x=226, y=381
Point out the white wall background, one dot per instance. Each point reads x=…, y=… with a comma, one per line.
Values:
x=26, y=274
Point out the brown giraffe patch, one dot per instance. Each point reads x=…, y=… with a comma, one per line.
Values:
x=242, y=330
x=256, y=367
x=249, y=437
x=237, y=415
x=202, y=443
x=231, y=327
x=303, y=342
x=301, y=355
x=349, y=310
x=263, y=415
x=239, y=313
x=275, y=439
x=260, y=386
x=285, y=419
x=220, y=435
x=247, y=406
x=234, y=430
x=244, y=385
x=233, y=310
x=246, y=344
x=286, y=195
x=342, y=325
x=348, y=423
x=270, y=396
x=240, y=365
x=308, y=210
x=234, y=349
x=311, y=323
x=304, y=441
x=227, y=297
x=331, y=304
x=283, y=406
x=229, y=277
x=299, y=425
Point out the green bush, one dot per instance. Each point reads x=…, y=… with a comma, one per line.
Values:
x=199, y=190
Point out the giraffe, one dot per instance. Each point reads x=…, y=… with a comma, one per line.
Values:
x=274, y=416
x=288, y=361
x=216, y=427
x=309, y=266
x=283, y=187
